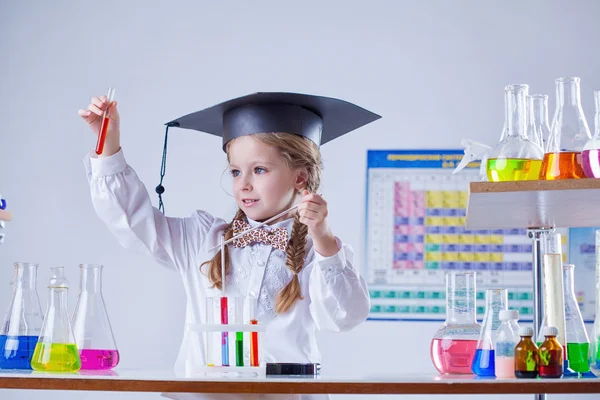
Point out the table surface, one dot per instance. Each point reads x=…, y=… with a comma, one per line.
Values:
x=168, y=381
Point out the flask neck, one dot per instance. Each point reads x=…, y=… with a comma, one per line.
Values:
x=514, y=107
x=538, y=110
x=568, y=93
x=25, y=276
x=597, y=114
x=569, y=281
x=58, y=299
x=91, y=279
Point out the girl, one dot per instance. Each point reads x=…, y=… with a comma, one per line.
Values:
x=301, y=276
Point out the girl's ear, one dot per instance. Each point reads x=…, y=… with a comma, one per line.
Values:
x=301, y=180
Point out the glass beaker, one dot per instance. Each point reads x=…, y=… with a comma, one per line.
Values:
x=453, y=345
x=496, y=300
x=591, y=151
x=569, y=134
x=578, y=342
x=507, y=339
x=91, y=325
x=538, y=128
x=515, y=158
x=23, y=319
x=56, y=349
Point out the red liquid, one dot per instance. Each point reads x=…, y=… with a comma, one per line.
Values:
x=99, y=359
x=102, y=135
x=590, y=161
x=550, y=365
x=453, y=356
x=254, y=345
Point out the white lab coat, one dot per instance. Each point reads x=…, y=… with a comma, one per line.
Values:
x=335, y=294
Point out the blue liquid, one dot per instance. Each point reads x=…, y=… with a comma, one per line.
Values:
x=483, y=363
x=16, y=351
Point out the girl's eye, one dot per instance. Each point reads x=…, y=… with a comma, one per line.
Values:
x=259, y=170
x=234, y=172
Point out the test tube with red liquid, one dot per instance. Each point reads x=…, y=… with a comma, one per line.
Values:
x=105, y=122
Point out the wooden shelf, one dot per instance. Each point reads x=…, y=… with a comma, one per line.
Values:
x=165, y=381
x=533, y=204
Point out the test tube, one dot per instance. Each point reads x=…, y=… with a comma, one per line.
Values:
x=253, y=335
x=553, y=284
x=239, y=336
x=224, y=312
x=210, y=319
x=104, y=124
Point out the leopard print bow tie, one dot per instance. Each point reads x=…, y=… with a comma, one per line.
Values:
x=278, y=237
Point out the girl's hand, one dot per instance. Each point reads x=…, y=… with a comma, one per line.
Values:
x=313, y=213
x=93, y=117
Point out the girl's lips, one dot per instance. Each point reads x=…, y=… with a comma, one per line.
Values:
x=249, y=202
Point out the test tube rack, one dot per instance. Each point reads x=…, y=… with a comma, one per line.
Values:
x=232, y=329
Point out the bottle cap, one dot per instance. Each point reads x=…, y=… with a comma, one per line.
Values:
x=525, y=331
x=507, y=315
x=550, y=331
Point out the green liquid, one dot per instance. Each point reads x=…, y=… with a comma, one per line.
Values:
x=577, y=354
x=239, y=349
x=513, y=169
x=56, y=357
x=597, y=354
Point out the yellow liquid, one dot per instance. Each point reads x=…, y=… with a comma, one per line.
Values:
x=513, y=169
x=57, y=357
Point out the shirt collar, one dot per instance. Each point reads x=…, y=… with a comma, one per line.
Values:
x=286, y=223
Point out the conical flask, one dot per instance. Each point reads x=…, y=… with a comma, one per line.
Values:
x=591, y=151
x=515, y=158
x=23, y=320
x=538, y=128
x=569, y=134
x=594, y=354
x=56, y=349
x=91, y=326
x=453, y=345
x=483, y=364
x=578, y=343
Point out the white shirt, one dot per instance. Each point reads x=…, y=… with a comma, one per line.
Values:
x=335, y=294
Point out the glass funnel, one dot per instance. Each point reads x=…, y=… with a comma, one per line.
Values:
x=56, y=349
x=91, y=325
x=515, y=158
x=591, y=150
x=578, y=343
x=569, y=134
x=496, y=300
x=23, y=319
x=453, y=345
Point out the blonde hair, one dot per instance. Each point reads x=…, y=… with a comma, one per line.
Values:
x=299, y=153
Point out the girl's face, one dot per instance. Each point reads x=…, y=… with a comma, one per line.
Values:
x=263, y=184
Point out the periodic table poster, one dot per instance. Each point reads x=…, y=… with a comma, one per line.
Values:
x=415, y=233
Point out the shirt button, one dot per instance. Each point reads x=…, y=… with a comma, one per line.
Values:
x=261, y=263
x=253, y=294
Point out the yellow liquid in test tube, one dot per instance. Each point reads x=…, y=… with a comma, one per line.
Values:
x=56, y=357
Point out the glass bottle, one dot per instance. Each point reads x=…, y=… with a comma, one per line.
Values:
x=507, y=339
x=594, y=355
x=526, y=355
x=496, y=300
x=569, y=134
x=453, y=345
x=515, y=158
x=550, y=355
x=578, y=342
x=91, y=325
x=56, y=349
x=23, y=319
x=591, y=151
x=538, y=128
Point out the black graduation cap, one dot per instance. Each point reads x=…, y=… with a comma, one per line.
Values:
x=320, y=119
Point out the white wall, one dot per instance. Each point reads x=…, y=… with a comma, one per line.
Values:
x=435, y=70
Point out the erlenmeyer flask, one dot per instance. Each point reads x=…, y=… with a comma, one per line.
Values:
x=91, y=326
x=538, y=129
x=591, y=151
x=453, y=345
x=56, y=349
x=515, y=158
x=594, y=355
x=496, y=300
x=569, y=134
x=578, y=343
x=23, y=320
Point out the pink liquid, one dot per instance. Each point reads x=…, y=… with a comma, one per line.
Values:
x=505, y=367
x=452, y=356
x=98, y=359
x=590, y=161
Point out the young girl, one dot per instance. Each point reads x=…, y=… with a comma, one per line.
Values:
x=300, y=274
